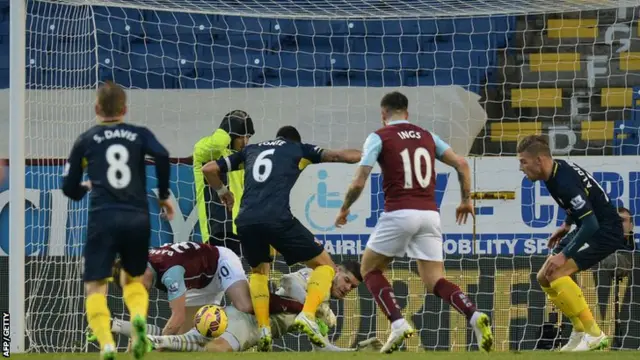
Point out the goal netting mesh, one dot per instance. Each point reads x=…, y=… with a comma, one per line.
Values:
x=480, y=73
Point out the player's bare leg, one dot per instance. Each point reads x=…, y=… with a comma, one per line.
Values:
x=136, y=299
x=432, y=275
x=259, y=291
x=99, y=317
x=572, y=303
x=319, y=288
x=372, y=268
x=240, y=296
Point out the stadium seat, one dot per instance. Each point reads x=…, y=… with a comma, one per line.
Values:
x=203, y=78
x=369, y=78
x=406, y=62
x=216, y=57
x=292, y=78
x=315, y=44
x=409, y=44
x=297, y=61
x=116, y=27
x=253, y=33
x=176, y=27
x=385, y=27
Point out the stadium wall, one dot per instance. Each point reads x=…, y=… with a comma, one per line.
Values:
x=326, y=116
x=497, y=267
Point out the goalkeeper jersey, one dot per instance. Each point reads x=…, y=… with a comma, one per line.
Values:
x=213, y=217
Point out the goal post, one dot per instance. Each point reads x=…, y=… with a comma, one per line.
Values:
x=17, y=105
x=479, y=73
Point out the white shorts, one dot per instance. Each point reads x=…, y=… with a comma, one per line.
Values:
x=229, y=272
x=415, y=233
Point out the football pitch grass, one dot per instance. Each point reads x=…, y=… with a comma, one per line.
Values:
x=526, y=355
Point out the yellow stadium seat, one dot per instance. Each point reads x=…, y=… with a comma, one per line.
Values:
x=572, y=28
x=554, y=62
x=630, y=61
x=616, y=97
x=513, y=131
x=597, y=130
x=536, y=98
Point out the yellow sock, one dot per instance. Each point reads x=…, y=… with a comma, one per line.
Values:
x=136, y=297
x=572, y=301
x=99, y=319
x=553, y=297
x=259, y=287
x=318, y=289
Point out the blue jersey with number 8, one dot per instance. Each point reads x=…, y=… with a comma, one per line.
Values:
x=271, y=169
x=114, y=157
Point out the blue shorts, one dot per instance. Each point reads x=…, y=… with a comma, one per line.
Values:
x=290, y=238
x=116, y=232
x=607, y=240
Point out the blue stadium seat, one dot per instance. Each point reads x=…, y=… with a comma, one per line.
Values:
x=4, y=30
x=353, y=61
x=176, y=27
x=384, y=27
x=409, y=44
x=203, y=78
x=315, y=44
x=215, y=57
x=117, y=27
x=369, y=78
x=294, y=61
x=296, y=27
x=245, y=32
x=292, y=78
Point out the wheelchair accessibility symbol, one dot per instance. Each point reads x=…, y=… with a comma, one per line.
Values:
x=324, y=200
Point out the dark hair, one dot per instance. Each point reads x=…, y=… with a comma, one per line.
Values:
x=112, y=100
x=622, y=209
x=394, y=102
x=237, y=123
x=353, y=267
x=535, y=145
x=290, y=133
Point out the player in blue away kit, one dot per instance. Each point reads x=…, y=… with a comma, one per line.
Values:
x=598, y=234
x=265, y=219
x=114, y=154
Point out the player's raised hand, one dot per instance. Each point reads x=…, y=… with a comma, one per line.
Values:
x=168, y=211
x=341, y=219
x=463, y=211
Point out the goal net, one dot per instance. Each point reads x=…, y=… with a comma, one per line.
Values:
x=478, y=73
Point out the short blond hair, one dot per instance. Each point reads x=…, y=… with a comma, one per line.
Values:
x=535, y=145
x=111, y=99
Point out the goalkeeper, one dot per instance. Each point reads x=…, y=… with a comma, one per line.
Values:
x=216, y=222
x=242, y=330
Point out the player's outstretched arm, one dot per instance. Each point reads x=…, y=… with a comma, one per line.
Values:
x=349, y=156
x=368, y=158
x=73, y=170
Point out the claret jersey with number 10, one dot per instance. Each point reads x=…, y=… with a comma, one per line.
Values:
x=406, y=154
x=271, y=169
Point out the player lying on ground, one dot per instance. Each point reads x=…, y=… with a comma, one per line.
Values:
x=599, y=233
x=192, y=274
x=243, y=332
x=265, y=219
x=114, y=153
x=410, y=223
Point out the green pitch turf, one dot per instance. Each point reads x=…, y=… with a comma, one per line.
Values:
x=529, y=355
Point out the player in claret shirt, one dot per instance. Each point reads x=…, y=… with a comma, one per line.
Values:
x=410, y=223
x=113, y=153
x=192, y=275
x=265, y=219
x=598, y=234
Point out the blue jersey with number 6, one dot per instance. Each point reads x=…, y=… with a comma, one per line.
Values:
x=114, y=157
x=271, y=169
